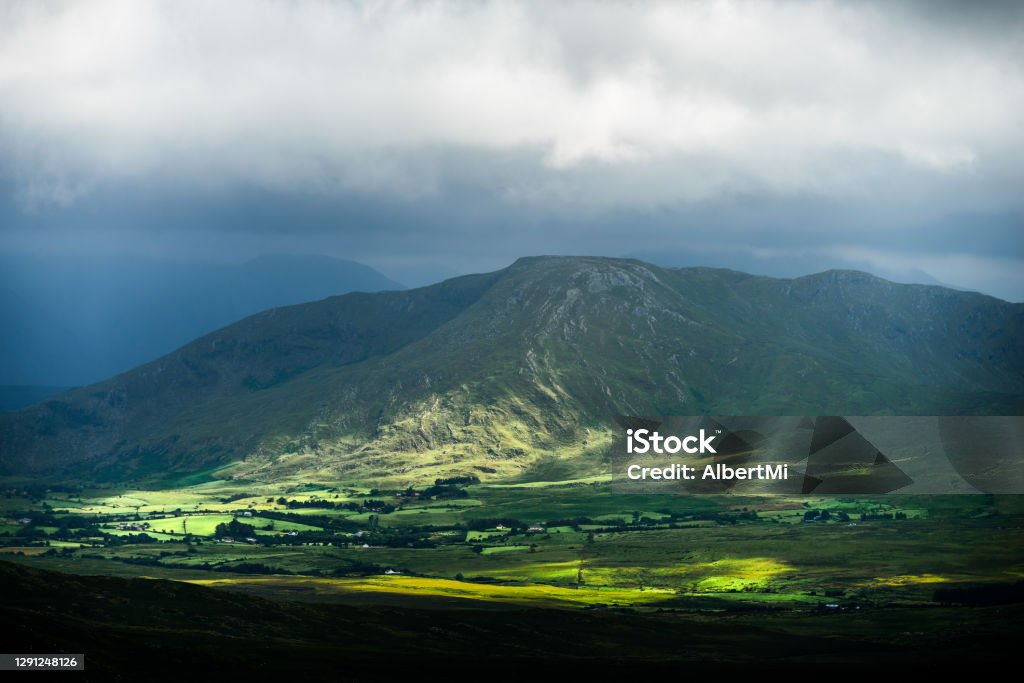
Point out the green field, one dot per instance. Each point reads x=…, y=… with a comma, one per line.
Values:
x=564, y=543
x=561, y=572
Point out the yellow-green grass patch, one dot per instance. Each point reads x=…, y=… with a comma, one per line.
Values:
x=431, y=587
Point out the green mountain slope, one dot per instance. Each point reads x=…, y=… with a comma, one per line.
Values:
x=486, y=374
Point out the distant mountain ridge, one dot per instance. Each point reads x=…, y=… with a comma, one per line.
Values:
x=492, y=374
x=79, y=319
x=16, y=397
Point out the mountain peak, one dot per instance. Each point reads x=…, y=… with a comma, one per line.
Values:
x=570, y=262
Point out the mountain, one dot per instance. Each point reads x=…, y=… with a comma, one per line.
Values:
x=75, y=320
x=492, y=374
x=18, y=396
x=782, y=263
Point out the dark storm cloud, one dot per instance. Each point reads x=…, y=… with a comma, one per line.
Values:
x=877, y=135
x=993, y=17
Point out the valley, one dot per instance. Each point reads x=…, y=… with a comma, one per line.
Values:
x=567, y=544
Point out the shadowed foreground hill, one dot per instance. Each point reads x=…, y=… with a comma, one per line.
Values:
x=132, y=628
x=485, y=373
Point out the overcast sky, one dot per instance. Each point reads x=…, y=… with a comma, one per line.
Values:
x=431, y=137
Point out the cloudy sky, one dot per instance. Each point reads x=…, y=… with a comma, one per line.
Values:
x=431, y=137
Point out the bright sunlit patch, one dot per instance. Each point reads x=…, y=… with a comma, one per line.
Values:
x=446, y=588
x=910, y=579
x=727, y=574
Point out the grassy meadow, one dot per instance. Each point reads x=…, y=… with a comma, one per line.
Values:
x=570, y=544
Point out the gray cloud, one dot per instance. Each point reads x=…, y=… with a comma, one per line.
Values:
x=501, y=128
x=330, y=95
